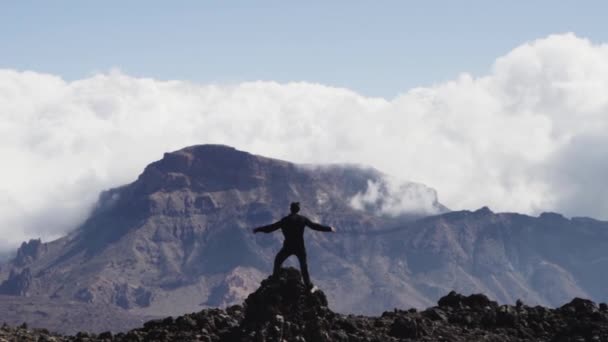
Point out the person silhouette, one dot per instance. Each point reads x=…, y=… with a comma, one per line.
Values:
x=292, y=227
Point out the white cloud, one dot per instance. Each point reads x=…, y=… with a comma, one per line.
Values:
x=527, y=137
x=394, y=197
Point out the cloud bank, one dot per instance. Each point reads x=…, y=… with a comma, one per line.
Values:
x=530, y=136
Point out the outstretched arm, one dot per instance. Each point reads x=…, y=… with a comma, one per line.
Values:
x=319, y=227
x=269, y=228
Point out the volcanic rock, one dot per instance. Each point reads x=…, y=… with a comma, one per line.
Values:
x=281, y=309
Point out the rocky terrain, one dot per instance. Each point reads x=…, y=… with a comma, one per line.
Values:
x=178, y=239
x=68, y=317
x=282, y=310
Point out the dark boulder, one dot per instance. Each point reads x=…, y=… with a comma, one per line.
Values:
x=285, y=295
x=452, y=300
x=580, y=306
x=456, y=300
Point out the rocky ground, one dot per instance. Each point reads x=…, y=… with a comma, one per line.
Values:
x=281, y=310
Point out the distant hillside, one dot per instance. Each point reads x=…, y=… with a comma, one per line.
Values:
x=66, y=316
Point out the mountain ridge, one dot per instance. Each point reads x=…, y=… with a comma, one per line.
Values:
x=178, y=238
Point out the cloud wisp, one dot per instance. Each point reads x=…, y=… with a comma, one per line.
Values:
x=394, y=197
x=529, y=136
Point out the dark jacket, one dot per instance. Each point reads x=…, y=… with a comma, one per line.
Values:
x=292, y=227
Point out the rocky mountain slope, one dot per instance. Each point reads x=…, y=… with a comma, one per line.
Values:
x=178, y=239
x=282, y=310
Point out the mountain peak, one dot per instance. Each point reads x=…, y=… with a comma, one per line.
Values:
x=206, y=168
x=484, y=211
x=209, y=147
x=208, y=153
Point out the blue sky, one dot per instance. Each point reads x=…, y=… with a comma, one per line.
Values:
x=377, y=48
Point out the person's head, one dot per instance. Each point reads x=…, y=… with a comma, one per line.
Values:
x=294, y=207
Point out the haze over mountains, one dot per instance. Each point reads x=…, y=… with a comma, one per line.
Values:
x=179, y=239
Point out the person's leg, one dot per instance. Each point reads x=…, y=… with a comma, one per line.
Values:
x=304, y=267
x=279, y=259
